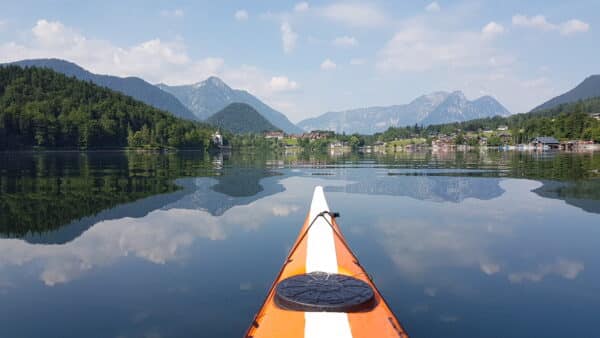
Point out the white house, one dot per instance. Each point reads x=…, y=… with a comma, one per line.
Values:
x=217, y=138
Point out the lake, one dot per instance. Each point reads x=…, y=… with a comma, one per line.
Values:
x=476, y=244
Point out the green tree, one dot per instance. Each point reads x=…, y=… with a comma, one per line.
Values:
x=39, y=107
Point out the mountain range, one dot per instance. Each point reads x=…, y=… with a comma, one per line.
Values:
x=201, y=100
x=131, y=86
x=434, y=108
x=211, y=95
x=590, y=87
x=240, y=118
x=193, y=102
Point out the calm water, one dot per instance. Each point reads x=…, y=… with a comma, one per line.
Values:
x=186, y=245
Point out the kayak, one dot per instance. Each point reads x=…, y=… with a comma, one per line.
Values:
x=322, y=290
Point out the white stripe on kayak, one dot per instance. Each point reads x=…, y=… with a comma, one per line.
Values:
x=326, y=325
x=321, y=256
x=320, y=252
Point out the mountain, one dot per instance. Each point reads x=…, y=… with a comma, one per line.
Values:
x=456, y=108
x=590, y=87
x=570, y=121
x=241, y=118
x=132, y=86
x=434, y=108
x=211, y=95
x=42, y=108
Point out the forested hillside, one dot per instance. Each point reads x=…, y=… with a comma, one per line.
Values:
x=589, y=88
x=241, y=118
x=130, y=86
x=42, y=108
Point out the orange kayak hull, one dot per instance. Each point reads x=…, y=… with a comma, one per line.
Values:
x=321, y=247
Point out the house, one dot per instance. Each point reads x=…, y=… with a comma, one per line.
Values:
x=505, y=137
x=365, y=149
x=443, y=142
x=217, y=139
x=545, y=142
x=379, y=147
x=502, y=128
x=318, y=134
x=596, y=116
x=274, y=134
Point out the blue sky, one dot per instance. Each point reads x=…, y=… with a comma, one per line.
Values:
x=305, y=58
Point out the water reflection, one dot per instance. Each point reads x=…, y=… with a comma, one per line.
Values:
x=234, y=187
x=456, y=261
x=70, y=231
x=425, y=187
x=43, y=192
x=157, y=236
x=447, y=249
x=581, y=194
x=54, y=197
x=465, y=235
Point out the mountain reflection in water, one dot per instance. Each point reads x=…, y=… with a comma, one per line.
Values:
x=429, y=188
x=582, y=194
x=152, y=244
x=234, y=187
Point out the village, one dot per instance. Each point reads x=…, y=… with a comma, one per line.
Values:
x=500, y=139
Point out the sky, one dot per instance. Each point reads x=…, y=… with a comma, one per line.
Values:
x=307, y=58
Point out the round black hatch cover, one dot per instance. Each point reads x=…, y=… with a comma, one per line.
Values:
x=324, y=292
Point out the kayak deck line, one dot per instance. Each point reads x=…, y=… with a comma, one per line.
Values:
x=322, y=290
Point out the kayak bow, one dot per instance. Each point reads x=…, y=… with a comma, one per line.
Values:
x=322, y=290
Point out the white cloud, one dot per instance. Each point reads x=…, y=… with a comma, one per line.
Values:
x=55, y=34
x=357, y=61
x=540, y=22
x=492, y=30
x=154, y=60
x=53, y=39
x=536, y=21
x=282, y=83
x=241, y=15
x=284, y=210
x=155, y=48
x=327, y=64
x=174, y=13
x=345, y=41
x=354, y=14
x=433, y=7
x=562, y=267
x=301, y=7
x=574, y=26
x=417, y=47
x=489, y=268
x=288, y=37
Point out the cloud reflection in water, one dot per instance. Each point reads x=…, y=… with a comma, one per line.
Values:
x=158, y=238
